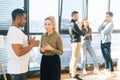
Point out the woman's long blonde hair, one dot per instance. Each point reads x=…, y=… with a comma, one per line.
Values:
x=52, y=19
x=82, y=24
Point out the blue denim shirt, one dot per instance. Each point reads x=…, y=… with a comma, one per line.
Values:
x=106, y=30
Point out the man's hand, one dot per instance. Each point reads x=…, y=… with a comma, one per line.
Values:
x=33, y=42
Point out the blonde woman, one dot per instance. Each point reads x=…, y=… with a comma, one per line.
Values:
x=87, y=47
x=51, y=48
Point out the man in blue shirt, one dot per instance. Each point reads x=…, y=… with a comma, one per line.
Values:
x=106, y=30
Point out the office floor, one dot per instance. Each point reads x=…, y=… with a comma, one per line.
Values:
x=89, y=76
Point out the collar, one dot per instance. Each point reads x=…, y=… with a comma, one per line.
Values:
x=50, y=34
x=72, y=20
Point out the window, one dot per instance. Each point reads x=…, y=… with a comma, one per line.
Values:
x=3, y=51
x=6, y=7
x=35, y=56
x=39, y=10
x=68, y=7
x=96, y=13
x=114, y=7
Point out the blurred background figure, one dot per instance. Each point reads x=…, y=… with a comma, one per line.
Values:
x=87, y=47
x=75, y=35
x=106, y=29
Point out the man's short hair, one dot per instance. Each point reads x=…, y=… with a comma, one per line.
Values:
x=74, y=12
x=17, y=12
x=109, y=13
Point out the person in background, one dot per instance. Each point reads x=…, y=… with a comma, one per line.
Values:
x=106, y=29
x=87, y=47
x=75, y=35
x=18, y=47
x=51, y=48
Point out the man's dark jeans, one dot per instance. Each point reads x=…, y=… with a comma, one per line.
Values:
x=106, y=51
x=18, y=76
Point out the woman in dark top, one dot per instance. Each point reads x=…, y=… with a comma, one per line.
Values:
x=87, y=47
x=51, y=48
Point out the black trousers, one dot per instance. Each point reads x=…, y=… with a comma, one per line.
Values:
x=106, y=50
x=50, y=68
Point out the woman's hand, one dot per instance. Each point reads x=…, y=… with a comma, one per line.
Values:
x=48, y=47
x=33, y=42
x=42, y=49
x=88, y=34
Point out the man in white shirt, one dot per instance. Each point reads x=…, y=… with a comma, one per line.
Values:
x=18, y=47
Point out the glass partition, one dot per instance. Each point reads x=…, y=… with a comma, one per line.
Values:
x=6, y=7
x=67, y=7
x=114, y=7
x=38, y=11
x=96, y=13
